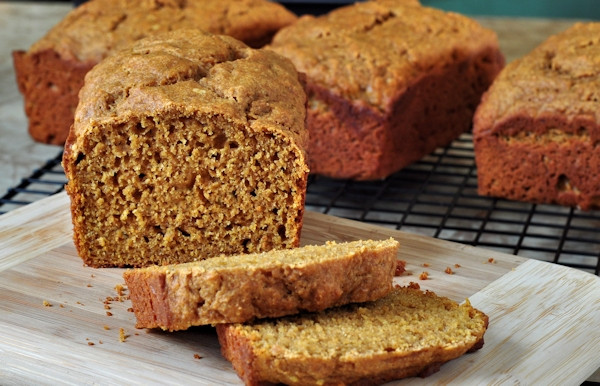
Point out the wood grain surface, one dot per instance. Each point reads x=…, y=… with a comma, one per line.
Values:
x=60, y=322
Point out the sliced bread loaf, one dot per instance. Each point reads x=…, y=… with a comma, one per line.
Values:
x=280, y=282
x=406, y=333
x=187, y=145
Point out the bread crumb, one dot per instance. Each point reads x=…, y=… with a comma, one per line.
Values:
x=120, y=289
x=456, y=265
x=414, y=285
x=90, y=343
x=400, y=267
x=89, y=285
x=106, y=327
x=122, y=335
x=130, y=309
x=100, y=342
x=106, y=307
x=197, y=356
x=449, y=271
x=80, y=303
x=47, y=303
x=61, y=305
x=491, y=260
x=108, y=313
x=426, y=265
x=424, y=275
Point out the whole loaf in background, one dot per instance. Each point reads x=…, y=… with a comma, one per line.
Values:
x=51, y=72
x=388, y=82
x=537, y=131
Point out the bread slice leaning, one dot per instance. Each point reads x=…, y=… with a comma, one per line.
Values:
x=233, y=289
x=406, y=333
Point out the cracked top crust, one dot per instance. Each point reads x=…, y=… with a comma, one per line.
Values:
x=97, y=27
x=561, y=76
x=374, y=50
x=193, y=72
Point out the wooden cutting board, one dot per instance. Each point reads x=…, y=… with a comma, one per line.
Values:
x=60, y=322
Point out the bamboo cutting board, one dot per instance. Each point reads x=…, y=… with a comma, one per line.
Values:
x=61, y=322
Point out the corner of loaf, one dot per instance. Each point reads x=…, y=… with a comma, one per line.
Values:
x=185, y=146
x=536, y=132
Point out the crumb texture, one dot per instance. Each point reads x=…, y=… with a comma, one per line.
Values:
x=403, y=334
x=537, y=132
x=187, y=145
x=231, y=289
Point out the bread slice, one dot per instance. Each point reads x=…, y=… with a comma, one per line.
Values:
x=239, y=288
x=407, y=333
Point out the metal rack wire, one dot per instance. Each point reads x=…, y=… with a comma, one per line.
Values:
x=436, y=196
x=43, y=182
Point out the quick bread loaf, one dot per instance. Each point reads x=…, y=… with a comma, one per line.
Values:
x=406, y=333
x=388, y=82
x=232, y=289
x=186, y=146
x=537, y=130
x=51, y=72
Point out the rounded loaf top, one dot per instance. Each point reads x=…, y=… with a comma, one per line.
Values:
x=189, y=72
x=97, y=27
x=374, y=50
x=560, y=76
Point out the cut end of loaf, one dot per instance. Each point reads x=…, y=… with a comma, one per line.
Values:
x=185, y=146
x=176, y=189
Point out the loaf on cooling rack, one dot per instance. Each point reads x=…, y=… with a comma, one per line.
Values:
x=537, y=132
x=388, y=82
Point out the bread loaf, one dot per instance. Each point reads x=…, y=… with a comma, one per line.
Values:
x=388, y=82
x=51, y=72
x=230, y=289
x=185, y=146
x=406, y=333
x=537, y=131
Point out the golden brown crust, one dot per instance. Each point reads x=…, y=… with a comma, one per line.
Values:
x=388, y=82
x=537, y=130
x=187, y=145
x=240, y=288
x=357, y=344
x=52, y=71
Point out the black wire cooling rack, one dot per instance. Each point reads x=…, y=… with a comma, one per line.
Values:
x=436, y=197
